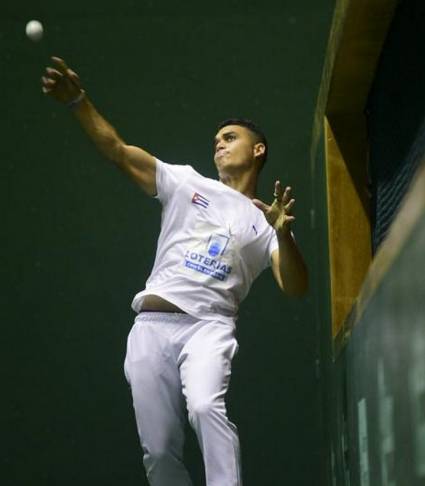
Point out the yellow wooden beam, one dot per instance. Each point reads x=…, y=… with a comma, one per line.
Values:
x=358, y=33
x=348, y=212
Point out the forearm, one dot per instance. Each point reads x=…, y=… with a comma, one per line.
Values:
x=104, y=135
x=292, y=268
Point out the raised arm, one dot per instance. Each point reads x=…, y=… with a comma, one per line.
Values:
x=289, y=268
x=64, y=85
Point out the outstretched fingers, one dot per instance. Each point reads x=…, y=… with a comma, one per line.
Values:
x=280, y=195
x=288, y=207
x=278, y=191
x=286, y=196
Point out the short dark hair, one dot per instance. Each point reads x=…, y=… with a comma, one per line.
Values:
x=250, y=125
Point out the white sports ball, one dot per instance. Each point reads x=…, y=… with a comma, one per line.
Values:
x=34, y=30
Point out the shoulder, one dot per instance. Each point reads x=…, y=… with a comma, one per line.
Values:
x=179, y=170
x=168, y=167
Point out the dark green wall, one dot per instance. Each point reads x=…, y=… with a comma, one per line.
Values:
x=386, y=377
x=79, y=238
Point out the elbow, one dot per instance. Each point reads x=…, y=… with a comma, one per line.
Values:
x=116, y=151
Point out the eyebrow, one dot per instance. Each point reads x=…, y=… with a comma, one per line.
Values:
x=225, y=134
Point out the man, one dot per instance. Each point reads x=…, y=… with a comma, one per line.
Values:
x=215, y=240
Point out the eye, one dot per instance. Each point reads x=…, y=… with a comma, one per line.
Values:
x=230, y=137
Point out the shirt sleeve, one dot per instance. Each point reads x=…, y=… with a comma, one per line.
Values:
x=169, y=178
x=273, y=245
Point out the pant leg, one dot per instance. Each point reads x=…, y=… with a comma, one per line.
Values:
x=205, y=369
x=158, y=403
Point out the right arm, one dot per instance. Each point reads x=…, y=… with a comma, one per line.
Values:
x=63, y=84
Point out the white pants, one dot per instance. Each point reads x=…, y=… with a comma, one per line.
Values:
x=175, y=361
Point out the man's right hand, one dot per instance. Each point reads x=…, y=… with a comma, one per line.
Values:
x=61, y=83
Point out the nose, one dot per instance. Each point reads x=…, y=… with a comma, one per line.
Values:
x=220, y=145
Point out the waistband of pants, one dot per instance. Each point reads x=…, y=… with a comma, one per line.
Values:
x=153, y=316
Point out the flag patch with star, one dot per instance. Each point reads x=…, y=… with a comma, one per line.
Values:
x=200, y=200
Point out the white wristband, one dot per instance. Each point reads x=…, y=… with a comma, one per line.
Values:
x=73, y=103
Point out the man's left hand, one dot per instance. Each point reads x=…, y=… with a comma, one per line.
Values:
x=279, y=213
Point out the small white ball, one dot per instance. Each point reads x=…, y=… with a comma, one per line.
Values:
x=34, y=30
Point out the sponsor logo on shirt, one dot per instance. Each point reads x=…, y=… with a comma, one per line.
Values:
x=200, y=200
x=210, y=264
x=217, y=244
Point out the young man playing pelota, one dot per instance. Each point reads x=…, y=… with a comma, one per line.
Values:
x=215, y=240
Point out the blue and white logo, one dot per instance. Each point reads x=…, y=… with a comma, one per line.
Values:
x=217, y=244
x=213, y=264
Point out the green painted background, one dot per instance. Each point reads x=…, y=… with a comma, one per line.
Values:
x=79, y=238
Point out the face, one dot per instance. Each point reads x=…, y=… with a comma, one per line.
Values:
x=236, y=149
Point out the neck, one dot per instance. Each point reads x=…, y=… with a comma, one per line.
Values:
x=245, y=183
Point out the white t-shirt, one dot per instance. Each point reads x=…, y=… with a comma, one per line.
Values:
x=213, y=243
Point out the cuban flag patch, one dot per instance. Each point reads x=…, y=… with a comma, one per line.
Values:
x=200, y=200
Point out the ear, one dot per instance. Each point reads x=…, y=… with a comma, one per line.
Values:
x=259, y=149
